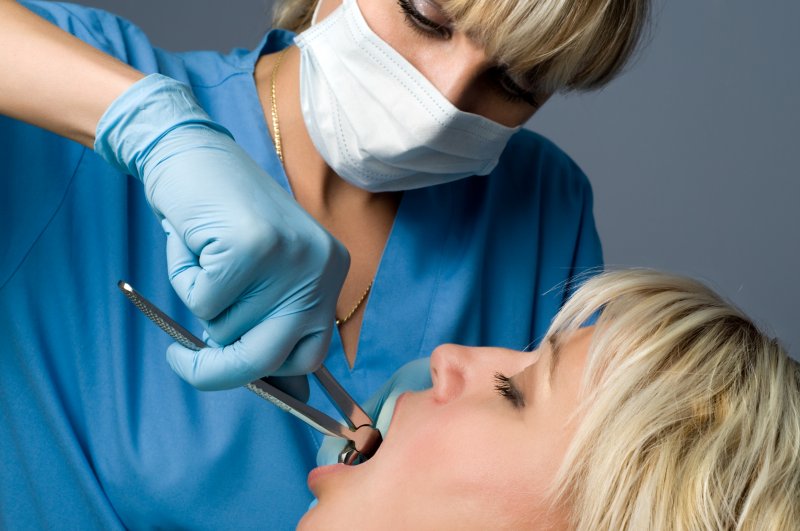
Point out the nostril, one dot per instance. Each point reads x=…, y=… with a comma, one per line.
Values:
x=447, y=372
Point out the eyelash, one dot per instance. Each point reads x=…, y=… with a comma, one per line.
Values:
x=514, y=92
x=503, y=386
x=427, y=28
x=517, y=93
x=421, y=24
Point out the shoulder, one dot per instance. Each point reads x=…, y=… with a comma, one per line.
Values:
x=535, y=176
x=533, y=162
x=101, y=29
x=535, y=187
x=127, y=42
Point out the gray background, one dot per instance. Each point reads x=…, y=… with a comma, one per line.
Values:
x=692, y=153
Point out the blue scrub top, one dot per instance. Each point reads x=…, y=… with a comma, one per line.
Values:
x=96, y=432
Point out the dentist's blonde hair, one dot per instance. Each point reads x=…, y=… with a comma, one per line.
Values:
x=549, y=45
x=691, y=416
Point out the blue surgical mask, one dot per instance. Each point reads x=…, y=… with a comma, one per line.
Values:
x=377, y=121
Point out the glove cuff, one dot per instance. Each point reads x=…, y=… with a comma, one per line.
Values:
x=141, y=116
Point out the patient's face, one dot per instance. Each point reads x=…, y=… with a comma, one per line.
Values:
x=462, y=455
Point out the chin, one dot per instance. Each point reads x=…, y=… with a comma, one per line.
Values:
x=310, y=521
x=319, y=519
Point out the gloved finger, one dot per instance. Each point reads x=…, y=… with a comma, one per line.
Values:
x=182, y=264
x=308, y=354
x=273, y=294
x=296, y=386
x=210, y=369
x=259, y=352
x=230, y=265
x=209, y=276
x=209, y=341
x=411, y=377
x=246, y=313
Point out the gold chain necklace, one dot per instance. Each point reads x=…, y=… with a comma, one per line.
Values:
x=279, y=150
x=343, y=320
x=274, y=105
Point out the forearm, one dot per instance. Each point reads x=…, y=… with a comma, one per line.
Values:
x=54, y=80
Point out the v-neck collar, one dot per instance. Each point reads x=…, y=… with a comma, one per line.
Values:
x=397, y=300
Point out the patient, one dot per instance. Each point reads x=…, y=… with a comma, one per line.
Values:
x=672, y=412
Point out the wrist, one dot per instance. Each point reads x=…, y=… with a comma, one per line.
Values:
x=147, y=111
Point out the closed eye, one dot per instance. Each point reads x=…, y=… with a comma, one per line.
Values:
x=513, y=91
x=506, y=388
x=421, y=23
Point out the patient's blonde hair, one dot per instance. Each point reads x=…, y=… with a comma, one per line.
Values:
x=691, y=416
x=552, y=45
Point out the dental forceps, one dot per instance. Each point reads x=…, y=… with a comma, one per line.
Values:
x=363, y=439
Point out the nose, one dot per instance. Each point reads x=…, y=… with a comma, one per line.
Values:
x=457, y=369
x=457, y=78
x=449, y=367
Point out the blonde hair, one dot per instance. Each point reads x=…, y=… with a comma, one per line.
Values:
x=690, y=417
x=551, y=45
x=293, y=15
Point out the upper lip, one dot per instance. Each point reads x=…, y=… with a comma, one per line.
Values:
x=400, y=399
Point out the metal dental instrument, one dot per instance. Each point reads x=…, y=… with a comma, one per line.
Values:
x=363, y=438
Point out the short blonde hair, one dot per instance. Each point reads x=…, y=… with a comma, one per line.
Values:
x=293, y=15
x=690, y=417
x=550, y=45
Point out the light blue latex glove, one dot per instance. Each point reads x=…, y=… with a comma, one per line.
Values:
x=413, y=376
x=242, y=254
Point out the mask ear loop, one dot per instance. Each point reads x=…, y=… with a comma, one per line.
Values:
x=316, y=12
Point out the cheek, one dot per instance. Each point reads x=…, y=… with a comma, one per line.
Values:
x=497, y=107
x=441, y=468
x=547, y=445
x=386, y=19
x=383, y=17
x=326, y=7
x=466, y=460
x=490, y=477
x=427, y=439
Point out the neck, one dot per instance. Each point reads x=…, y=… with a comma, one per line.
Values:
x=360, y=220
x=314, y=184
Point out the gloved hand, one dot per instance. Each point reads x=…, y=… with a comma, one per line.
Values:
x=242, y=254
x=413, y=376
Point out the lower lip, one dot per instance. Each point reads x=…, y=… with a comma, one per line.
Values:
x=320, y=472
x=316, y=474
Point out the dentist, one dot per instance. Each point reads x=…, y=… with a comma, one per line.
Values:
x=379, y=199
